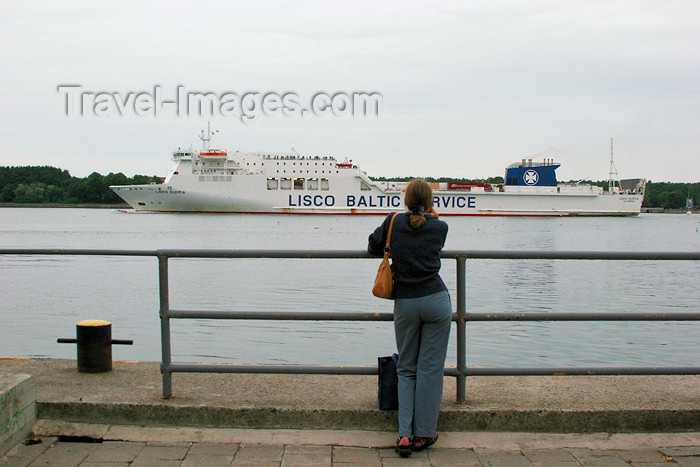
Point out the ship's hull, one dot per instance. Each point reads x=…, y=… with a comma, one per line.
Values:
x=248, y=194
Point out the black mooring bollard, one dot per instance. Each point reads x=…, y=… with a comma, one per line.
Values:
x=94, y=339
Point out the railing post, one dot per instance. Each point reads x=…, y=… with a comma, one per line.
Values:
x=461, y=328
x=163, y=290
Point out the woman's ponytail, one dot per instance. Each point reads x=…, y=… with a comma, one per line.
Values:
x=419, y=197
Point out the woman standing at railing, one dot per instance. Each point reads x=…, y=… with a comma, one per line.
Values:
x=422, y=314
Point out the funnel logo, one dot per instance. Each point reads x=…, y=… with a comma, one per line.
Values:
x=531, y=177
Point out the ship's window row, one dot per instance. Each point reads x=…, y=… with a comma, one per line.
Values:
x=298, y=158
x=297, y=183
x=294, y=163
x=307, y=171
x=217, y=171
x=308, y=163
x=215, y=178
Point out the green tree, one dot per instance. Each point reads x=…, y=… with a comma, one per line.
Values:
x=672, y=200
x=117, y=179
x=32, y=193
x=54, y=194
x=96, y=188
x=7, y=193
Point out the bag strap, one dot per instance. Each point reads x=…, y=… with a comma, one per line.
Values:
x=388, y=235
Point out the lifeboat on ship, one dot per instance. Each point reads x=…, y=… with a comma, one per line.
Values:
x=346, y=164
x=213, y=154
x=207, y=152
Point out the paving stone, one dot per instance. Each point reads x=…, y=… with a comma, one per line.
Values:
x=258, y=453
x=24, y=454
x=403, y=462
x=605, y=461
x=681, y=451
x=376, y=463
x=597, y=458
x=163, y=453
x=389, y=453
x=640, y=456
x=687, y=461
x=290, y=461
x=168, y=444
x=306, y=455
x=213, y=449
x=206, y=460
x=683, y=456
x=463, y=457
x=255, y=464
x=349, y=455
x=503, y=459
x=547, y=457
x=304, y=449
x=139, y=462
x=65, y=454
x=115, y=451
x=105, y=464
x=9, y=461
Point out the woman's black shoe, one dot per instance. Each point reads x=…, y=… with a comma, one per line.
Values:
x=403, y=446
x=420, y=442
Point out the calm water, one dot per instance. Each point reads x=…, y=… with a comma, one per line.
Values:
x=43, y=297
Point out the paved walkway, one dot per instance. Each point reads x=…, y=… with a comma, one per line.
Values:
x=67, y=453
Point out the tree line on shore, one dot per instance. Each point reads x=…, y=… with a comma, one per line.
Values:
x=51, y=185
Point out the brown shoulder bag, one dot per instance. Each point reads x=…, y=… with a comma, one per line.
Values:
x=384, y=282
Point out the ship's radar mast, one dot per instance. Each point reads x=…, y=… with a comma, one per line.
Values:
x=613, y=171
x=206, y=137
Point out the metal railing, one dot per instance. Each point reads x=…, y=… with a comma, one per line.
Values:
x=461, y=317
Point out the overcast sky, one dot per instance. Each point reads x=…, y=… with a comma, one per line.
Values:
x=467, y=87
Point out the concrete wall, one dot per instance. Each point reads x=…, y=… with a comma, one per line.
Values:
x=17, y=409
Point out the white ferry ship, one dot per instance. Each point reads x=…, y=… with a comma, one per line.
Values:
x=214, y=180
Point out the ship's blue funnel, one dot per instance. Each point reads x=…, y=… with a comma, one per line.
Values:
x=528, y=173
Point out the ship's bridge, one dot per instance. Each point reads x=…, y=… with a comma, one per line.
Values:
x=180, y=154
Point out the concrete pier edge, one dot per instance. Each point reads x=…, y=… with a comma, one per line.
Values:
x=131, y=395
x=550, y=421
